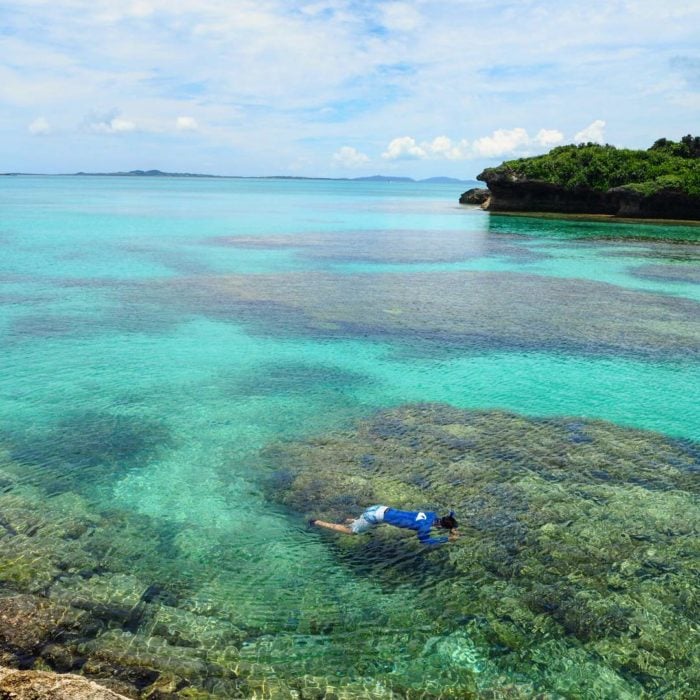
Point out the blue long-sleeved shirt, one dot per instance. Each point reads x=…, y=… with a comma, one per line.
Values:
x=417, y=520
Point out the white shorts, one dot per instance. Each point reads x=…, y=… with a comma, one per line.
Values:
x=371, y=517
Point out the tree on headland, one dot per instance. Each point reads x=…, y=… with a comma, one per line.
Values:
x=688, y=147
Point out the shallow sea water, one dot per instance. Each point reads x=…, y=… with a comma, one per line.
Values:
x=132, y=377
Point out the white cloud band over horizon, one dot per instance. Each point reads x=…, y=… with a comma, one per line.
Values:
x=324, y=87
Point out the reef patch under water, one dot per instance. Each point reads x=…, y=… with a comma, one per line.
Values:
x=577, y=565
x=394, y=247
x=575, y=574
x=436, y=311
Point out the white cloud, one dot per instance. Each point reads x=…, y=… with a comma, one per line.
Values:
x=548, y=137
x=321, y=69
x=400, y=16
x=39, y=127
x=594, y=132
x=120, y=126
x=442, y=146
x=186, y=124
x=404, y=148
x=350, y=157
x=501, y=142
x=108, y=123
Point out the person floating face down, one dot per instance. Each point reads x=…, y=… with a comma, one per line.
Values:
x=420, y=521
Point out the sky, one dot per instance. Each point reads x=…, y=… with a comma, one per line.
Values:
x=338, y=88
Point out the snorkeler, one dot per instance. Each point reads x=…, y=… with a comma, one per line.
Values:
x=418, y=520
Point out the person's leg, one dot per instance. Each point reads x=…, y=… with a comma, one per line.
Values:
x=333, y=526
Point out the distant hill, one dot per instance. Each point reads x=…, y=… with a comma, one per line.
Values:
x=450, y=181
x=383, y=178
x=429, y=180
x=146, y=173
x=371, y=178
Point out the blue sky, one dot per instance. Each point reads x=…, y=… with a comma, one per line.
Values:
x=337, y=87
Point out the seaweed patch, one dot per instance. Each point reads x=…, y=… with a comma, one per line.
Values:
x=291, y=378
x=63, y=456
x=685, y=273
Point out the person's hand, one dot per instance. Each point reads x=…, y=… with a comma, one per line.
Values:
x=453, y=535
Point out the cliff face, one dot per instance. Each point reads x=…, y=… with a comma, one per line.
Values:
x=665, y=204
x=509, y=192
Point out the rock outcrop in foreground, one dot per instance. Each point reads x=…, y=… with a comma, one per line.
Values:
x=44, y=685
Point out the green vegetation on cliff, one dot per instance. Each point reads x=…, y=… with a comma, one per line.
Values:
x=667, y=165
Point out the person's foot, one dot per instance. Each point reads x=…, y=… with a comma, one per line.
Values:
x=312, y=522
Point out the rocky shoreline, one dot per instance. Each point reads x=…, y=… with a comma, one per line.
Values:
x=508, y=192
x=85, y=591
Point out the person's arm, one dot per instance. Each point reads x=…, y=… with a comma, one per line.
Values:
x=332, y=526
x=426, y=539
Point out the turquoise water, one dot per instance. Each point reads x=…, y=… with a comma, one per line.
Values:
x=134, y=377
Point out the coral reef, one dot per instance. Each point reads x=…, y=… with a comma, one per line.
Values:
x=433, y=312
x=395, y=247
x=577, y=564
x=576, y=572
x=125, y=601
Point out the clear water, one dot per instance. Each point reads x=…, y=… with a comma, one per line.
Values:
x=99, y=329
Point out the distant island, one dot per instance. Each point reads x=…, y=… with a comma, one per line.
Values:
x=371, y=178
x=662, y=182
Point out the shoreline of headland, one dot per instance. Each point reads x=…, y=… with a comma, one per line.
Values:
x=599, y=218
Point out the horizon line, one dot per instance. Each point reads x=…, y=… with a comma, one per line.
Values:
x=160, y=173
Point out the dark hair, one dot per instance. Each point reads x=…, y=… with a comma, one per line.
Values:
x=448, y=522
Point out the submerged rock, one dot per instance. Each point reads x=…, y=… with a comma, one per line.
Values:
x=69, y=573
x=182, y=627
x=43, y=685
x=28, y=622
x=572, y=530
x=684, y=273
x=110, y=597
